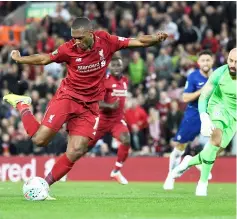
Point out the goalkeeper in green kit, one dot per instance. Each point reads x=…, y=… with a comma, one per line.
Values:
x=217, y=108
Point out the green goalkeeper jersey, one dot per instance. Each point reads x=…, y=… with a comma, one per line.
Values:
x=220, y=89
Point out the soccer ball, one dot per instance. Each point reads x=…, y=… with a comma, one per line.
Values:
x=35, y=189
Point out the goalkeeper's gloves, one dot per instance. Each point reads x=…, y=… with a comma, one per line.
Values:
x=207, y=126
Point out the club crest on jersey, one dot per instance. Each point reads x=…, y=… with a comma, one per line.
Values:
x=55, y=52
x=101, y=54
x=114, y=85
x=78, y=59
x=51, y=118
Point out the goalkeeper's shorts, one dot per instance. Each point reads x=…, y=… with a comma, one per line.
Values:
x=223, y=120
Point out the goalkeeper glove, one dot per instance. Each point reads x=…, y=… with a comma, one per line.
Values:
x=207, y=126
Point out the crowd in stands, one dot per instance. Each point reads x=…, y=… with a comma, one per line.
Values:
x=157, y=75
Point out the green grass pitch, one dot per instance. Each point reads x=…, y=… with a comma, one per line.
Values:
x=109, y=200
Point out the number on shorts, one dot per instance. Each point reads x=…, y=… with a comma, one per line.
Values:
x=96, y=122
x=123, y=122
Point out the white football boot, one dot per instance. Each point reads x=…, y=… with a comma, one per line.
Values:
x=119, y=177
x=181, y=168
x=169, y=182
x=201, y=189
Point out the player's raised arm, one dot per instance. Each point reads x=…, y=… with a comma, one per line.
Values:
x=37, y=59
x=207, y=126
x=206, y=93
x=148, y=40
x=207, y=90
x=60, y=55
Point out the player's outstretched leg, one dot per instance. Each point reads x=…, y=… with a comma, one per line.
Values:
x=22, y=103
x=206, y=158
x=122, y=155
x=40, y=134
x=174, y=161
x=77, y=147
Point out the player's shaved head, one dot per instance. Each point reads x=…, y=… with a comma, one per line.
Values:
x=82, y=33
x=82, y=22
x=232, y=62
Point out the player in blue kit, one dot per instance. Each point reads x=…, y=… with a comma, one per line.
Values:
x=191, y=124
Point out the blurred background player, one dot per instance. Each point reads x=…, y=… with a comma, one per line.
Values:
x=191, y=124
x=76, y=101
x=112, y=115
x=217, y=108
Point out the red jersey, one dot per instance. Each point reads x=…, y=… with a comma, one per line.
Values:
x=136, y=116
x=86, y=69
x=115, y=89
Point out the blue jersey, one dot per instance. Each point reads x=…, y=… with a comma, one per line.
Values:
x=195, y=81
x=191, y=124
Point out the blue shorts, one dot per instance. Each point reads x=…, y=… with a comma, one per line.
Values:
x=189, y=128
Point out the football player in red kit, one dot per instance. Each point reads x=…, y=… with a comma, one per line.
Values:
x=76, y=101
x=112, y=115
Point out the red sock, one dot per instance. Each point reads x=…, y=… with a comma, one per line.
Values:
x=60, y=169
x=31, y=125
x=122, y=155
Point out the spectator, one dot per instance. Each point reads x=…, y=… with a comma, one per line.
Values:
x=61, y=13
x=154, y=126
x=163, y=64
x=171, y=28
x=6, y=145
x=136, y=118
x=136, y=69
x=152, y=99
x=45, y=44
x=188, y=32
x=210, y=42
x=195, y=14
x=74, y=10
x=203, y=26
x=174, y=118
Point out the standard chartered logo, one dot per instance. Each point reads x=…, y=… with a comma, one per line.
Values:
x=18, y=170
x=91, y=67
x=15, y=172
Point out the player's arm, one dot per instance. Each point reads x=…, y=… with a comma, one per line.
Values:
x=207, y=126
x=189, y=97
x=37, y=59
x=206, y=93
x=111, y=106
x=147, y=40
x=190, y=94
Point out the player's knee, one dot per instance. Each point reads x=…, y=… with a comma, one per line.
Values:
x=216, y=137
x=125, y=139
x=79, y=147
x=181, y=147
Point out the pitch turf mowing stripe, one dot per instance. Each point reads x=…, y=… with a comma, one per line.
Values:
x=103, y=200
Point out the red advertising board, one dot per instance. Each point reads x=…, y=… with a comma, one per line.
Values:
x=98, y=169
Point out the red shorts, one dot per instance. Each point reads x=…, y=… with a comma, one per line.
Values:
x=81, y=118
x=108, y=126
